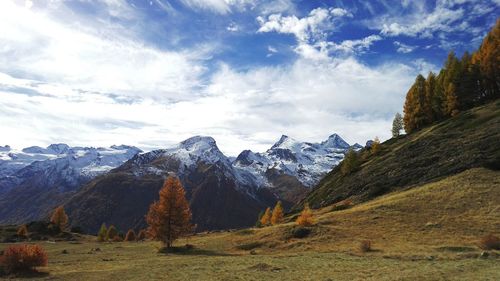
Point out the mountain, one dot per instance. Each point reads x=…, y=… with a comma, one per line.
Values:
x=468, y=140
x=223, y=193
x=35, y=180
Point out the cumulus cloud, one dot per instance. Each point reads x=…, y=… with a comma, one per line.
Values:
x=38, y=46
x=403, y=48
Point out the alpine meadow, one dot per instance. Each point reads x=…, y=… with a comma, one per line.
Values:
x=249, y=140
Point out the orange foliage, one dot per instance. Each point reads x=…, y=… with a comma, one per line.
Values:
x=278, y=214
x=169, y=218
x=23, y=258
x=60, y=218
x=130, y=235
x=266, y=218
x=306, y=217
x=22, y=231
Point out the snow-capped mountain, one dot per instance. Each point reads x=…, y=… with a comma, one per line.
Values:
x=308, y=162
x=35, y=179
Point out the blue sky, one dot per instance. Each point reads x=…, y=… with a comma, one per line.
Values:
x=152, y=73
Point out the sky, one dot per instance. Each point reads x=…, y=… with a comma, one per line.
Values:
x=152, y=73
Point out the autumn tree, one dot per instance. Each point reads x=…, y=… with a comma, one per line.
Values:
x=259, y=217
x=130, y=235
x=169, y=218
x=397, y=125
x=112, y=232
x=142, y=235
x=375, y=148
x=102, y=234
x=266, y=218
x=350, y=162
x=23, y=231
x=451, y=105
x=277, y=216
x=416, y=106
x=60, y=218
x=306, y=217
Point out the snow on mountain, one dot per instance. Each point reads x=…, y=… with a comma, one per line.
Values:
x=308, y=162
x=88, y=161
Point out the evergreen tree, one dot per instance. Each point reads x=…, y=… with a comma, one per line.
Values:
x=169, y=218
x=266, y=218
x=397, y=125
x=102, y=234
x=278, y=214
x=306, y=217
x=60, y=218
x=112, y=232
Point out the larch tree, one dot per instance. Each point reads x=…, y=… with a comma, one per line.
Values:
x=102, y=234
x=170, y=217
x=23, y=231
x=306, y=217
x=451, y=105
x=397, y=125
x=112, y=233
x=266, y=218
x=59, y=218
x=375, y=148
x=488, y=60
x=350, y=162
x=416, y=107
x=130, y=236
x=278, y=214
x=142, y=235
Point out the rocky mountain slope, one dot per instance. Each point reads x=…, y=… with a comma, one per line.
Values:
x=37, y=179
x=468, y=140
x=222, y=193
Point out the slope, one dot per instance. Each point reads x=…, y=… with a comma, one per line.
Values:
x=468, y=140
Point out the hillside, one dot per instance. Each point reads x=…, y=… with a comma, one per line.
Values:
x=427, y=233
x=466, y=141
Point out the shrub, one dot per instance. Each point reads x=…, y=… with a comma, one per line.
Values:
x=102, y=234
x=298, y=232
x=489, y=242
x=130, y=235
x=23, y=231
x=365, y=246
x=249, y=246
x=306, y=217
x=142, y=235
x=117, y=238
x=24, y=258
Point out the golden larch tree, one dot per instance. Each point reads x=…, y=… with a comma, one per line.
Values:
x=306, y=217
x=59, y=218
x=266, y=218
x=130, y=235
x=170, y=217
x=23, y=231
x=278, y=214
x=375, y=145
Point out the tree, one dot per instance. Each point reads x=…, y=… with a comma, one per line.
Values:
x=416, y=106
x=130, y=235
x=266, y=218
x=169, y=218
x=278, y=215
x=451, y=106
x=306, y=217
x=112, y=232
x=23, y=231
x=142, y=235
x=350, y=162
x=397, y=125
x=60, y=218
x=259, y=217
x=375, y=146
x=102, y=234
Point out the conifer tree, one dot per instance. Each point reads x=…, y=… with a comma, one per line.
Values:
x=266, y=218
x=416, y=107
x=130, y=235
x=350, y=162
x=397, y=125
x=277, y=216
x=102, y=234
x=169, y=218
x=142, y=235
x=112, y=232
x=60, y=218
x=451, y=106
x=306, y=217
x=487, y=58
x=259, y=217
x=23, y=231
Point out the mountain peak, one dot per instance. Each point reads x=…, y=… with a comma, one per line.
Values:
x=198, y=142
x=335, y=141
x=283, y=142
x=58, y=148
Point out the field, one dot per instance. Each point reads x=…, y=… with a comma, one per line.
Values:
x=426, y=233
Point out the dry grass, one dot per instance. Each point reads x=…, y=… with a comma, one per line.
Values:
x=489, y=242
x=426, y=233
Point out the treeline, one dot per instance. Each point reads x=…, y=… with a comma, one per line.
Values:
x=463, y=83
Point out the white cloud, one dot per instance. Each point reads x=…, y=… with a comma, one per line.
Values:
x=403, y=48
x=38, y=46
x=358, y=46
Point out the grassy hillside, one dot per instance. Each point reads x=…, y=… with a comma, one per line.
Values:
x=466, y=141
x=427, y=233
